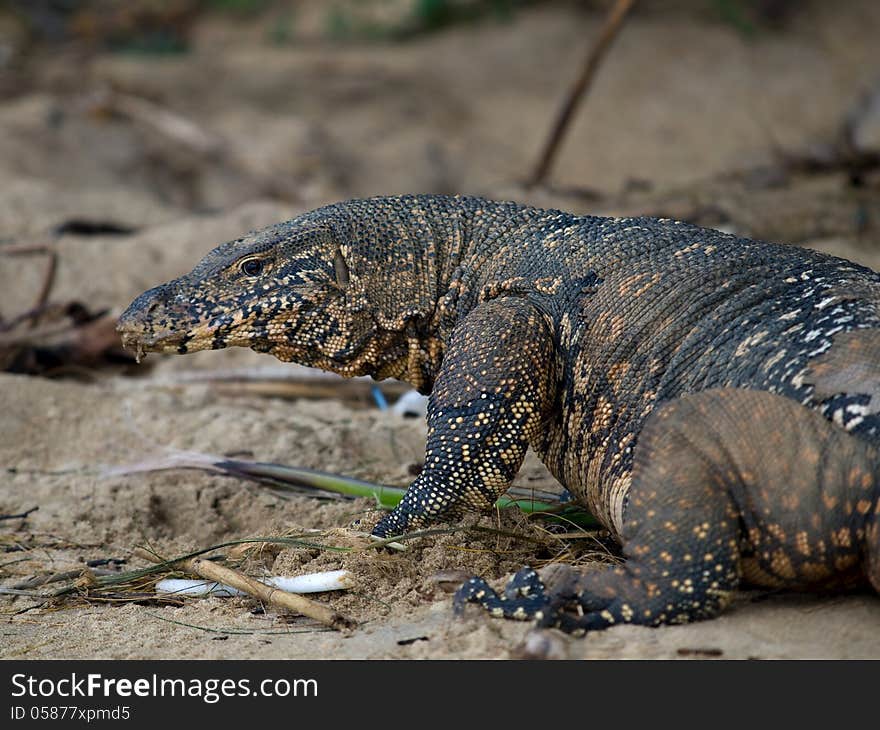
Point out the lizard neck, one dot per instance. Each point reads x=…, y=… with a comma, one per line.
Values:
x=417, y=264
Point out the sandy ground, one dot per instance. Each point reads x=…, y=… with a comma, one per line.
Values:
x=682, y=101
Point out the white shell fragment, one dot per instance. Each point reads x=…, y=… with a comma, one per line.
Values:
x=329, y=580
x=411, y=404
x=185, y=587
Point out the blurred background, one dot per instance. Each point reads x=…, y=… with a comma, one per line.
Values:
x=136, y=135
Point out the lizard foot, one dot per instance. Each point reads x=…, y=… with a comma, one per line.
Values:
x=524, y=599
x=410, y=516
x=577, y=603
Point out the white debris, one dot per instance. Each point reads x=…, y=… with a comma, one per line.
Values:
x=330, y=580
x=411, y=404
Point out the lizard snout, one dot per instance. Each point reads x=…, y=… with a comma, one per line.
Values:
x=151, y=322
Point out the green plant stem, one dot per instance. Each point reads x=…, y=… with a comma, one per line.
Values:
x=386, y=497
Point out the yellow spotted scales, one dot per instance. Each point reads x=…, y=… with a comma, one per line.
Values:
x=709, y=398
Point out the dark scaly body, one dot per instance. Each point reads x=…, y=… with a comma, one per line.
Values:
x=539, y=328
x=671, y=318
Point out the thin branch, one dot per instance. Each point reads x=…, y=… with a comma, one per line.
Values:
x=20, y=515
x=613, y=23
x=49, y=274
x=267, y=593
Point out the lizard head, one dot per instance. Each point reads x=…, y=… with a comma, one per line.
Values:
x=283, y=290
x=350, y=287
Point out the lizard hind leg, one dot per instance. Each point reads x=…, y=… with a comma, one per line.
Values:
x=680, y=540
x=727, y=484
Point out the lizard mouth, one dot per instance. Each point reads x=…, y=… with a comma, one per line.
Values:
x=159, y=321
x=142, y=341
x=145, y=327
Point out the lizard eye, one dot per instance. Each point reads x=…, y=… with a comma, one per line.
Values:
x=251, y=267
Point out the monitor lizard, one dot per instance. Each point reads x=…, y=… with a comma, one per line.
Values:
x=709, y=398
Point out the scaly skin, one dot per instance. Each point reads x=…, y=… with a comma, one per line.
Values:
x=538, y=328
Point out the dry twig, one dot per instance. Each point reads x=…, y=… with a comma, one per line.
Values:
x=613, y=23
x=269, y=594
x=48, y=276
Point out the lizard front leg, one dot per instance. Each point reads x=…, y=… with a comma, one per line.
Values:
x=493, y=390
